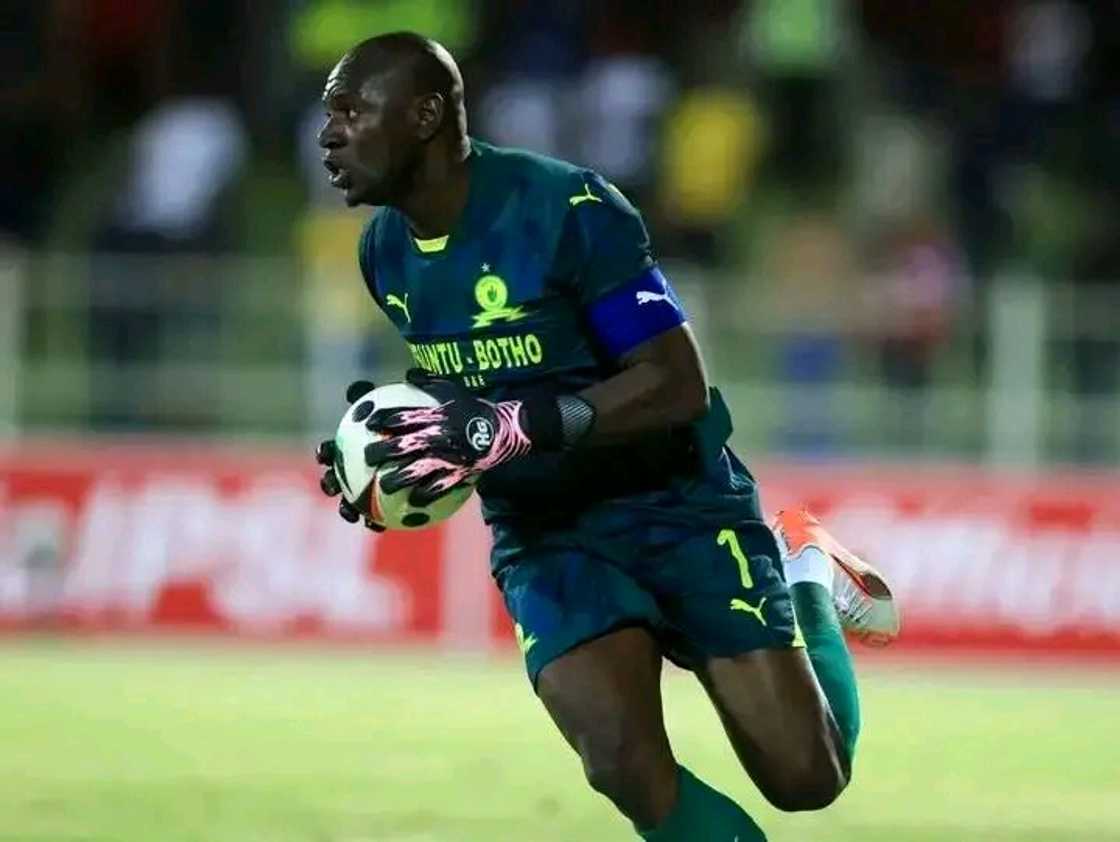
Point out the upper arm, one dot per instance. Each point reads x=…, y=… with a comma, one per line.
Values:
x=605, y=242
x=673, y=350
x=675, y=357
x=624, y=295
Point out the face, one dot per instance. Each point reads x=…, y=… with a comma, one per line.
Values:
x=369, y=150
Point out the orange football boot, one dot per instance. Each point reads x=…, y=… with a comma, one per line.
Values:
x=862, y=598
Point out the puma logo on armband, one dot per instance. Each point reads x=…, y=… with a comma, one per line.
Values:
x=645, y=297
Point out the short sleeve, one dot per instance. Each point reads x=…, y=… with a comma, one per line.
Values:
x=625, y=297
x=608, y=236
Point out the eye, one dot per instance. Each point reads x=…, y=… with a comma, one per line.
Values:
x=351, y=114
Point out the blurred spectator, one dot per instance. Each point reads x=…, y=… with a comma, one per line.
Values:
x=536, y=51
x=127, y=47
x=900, y=167
x=1094, y=348
x=809, y=270
x=625, y=89
x=917, y=284
x=942, y=63
x=1049, y=41
x=185, y=155
x=712, y=144
x=42, y=97
x=796, y=47
x=581, y=82
x=184, y=159
x=620, y=102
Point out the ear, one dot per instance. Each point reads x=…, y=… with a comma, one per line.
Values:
x=429, y=115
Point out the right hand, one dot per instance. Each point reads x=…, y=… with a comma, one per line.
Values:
x=329, y=483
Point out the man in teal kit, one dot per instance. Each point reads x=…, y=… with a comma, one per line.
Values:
x=572, y=392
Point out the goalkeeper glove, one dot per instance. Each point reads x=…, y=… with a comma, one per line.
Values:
x=325, y=455
x=443, y=447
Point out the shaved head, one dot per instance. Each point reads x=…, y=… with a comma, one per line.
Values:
x=394, y=106
x=418, y=64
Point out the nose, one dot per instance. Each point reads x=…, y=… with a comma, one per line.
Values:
x=330, y=137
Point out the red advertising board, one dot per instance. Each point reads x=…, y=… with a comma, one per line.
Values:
x=212, y=538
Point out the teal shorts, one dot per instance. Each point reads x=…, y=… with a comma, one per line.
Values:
x=702, y=592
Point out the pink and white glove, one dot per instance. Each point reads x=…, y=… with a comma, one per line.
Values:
x=443, y=447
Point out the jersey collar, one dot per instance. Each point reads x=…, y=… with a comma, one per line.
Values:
x=437, y=247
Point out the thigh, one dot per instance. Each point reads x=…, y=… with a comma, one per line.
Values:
x=723, y=595
x=605, y=697
x=607, y=686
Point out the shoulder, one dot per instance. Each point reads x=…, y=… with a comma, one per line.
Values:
x=538, y=178
x=575, y=201
x=572, y=189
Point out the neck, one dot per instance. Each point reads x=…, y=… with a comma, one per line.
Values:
x=439, y=194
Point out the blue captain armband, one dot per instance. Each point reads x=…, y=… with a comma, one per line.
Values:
x=640, y=309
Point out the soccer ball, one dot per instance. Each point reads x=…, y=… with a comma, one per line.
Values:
x=360, y=485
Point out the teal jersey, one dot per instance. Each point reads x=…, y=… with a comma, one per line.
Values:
x=505, y=304
x=500, y=304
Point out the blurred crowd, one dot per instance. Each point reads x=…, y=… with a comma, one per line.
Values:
x=870, y=163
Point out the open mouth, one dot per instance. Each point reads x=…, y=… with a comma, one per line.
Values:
x=339, y=177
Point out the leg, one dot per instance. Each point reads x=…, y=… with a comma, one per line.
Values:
x=583, y=626
x=834, y=591
x=605, y=697
x=805, y=761
x=726, y=592
x=780, y=725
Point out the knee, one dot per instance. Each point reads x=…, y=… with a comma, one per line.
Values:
x=639, y=777
x=807, y=786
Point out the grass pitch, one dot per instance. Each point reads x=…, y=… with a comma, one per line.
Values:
x=168, y=743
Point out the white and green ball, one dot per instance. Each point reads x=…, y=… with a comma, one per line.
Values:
x=360, y=483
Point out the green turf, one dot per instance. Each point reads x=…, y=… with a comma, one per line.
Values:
x=127, y=742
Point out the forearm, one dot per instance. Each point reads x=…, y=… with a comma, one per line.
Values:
x=640, y=399
x=662, y=384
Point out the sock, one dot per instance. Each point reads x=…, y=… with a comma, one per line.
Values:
x=702, y=814
x=810, y=578
x=810, y=565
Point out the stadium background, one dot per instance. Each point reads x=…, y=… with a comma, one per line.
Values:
x=897, y=229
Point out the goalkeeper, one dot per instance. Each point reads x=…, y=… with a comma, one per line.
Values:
x=572, y=391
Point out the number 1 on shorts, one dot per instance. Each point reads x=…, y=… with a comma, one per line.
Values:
x=728, y=537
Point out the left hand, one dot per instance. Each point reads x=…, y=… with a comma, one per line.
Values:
x=443, y=447
x=328, y=482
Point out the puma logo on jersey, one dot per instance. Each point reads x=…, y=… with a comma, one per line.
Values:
x=392, y=301
x=743, y=605
x=585, y=196
x=645, y=297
